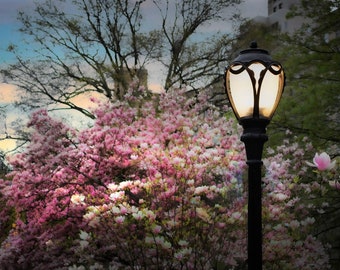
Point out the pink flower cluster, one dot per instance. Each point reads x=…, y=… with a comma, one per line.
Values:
x=155, y=183
x=290, y=205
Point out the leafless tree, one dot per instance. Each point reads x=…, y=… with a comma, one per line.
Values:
x=99, y=46
x=192, y=57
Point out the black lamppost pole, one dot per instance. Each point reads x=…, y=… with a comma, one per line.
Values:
x=254, y=84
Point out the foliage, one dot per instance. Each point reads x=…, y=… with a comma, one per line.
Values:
x=155, y=183
x=250, y=31
x=310, y=102
x=310, y=57
x=303, y=192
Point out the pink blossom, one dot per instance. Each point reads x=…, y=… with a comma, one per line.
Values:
x=156, y=229
x=279, y=196
x=294, y=224
x=163, y=173
x=120, y=219
x=138, y=216
x=334, y=184
x=78, y=199
x=322, y=162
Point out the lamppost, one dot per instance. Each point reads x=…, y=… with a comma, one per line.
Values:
x=254, y=84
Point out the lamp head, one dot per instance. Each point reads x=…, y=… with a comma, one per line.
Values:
x=254, y=83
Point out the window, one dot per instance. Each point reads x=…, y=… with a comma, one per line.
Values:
x=280, y=6
x=274, y=9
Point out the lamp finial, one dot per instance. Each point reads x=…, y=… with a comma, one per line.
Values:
x=253, y=44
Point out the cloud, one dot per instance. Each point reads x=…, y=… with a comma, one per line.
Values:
x=7, y=145
x=8, y=93
x=156, y=87
x=9, y=9
x=254, y=8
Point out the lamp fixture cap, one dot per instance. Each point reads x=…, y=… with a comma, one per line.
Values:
x=253, y=54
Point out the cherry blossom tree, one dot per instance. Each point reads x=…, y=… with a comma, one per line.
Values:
x=155, y=183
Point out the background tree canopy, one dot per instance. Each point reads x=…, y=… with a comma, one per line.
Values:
x=311, y=58
x=100, y=46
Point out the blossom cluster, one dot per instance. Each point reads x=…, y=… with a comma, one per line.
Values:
x=292, y=204
x=155, y=183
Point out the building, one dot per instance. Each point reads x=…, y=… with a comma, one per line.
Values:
x=277, y=16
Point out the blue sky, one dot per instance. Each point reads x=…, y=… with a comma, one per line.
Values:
x=9, y=25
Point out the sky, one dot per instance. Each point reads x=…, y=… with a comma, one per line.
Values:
x=10, y=35
x=9, y=24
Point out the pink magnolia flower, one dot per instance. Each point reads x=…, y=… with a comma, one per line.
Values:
x=120, y=219
x=334, y=184
x=322, y=162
